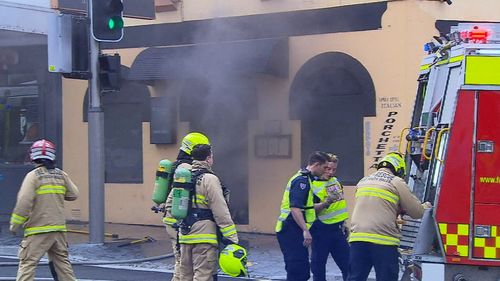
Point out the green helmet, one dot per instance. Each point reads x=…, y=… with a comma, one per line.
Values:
x=395, y=162
x=192, y=139
x=233, y=260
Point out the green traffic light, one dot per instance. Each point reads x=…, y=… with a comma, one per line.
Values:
x=115, y=23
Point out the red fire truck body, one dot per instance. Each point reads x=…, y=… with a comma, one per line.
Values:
x=453, y=159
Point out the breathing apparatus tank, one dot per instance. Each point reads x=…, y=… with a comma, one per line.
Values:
x=162, y=182
x=181, y=190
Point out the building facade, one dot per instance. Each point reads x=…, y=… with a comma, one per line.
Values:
x=268, y=81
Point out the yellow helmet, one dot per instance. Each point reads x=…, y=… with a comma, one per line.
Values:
x=233, y=260
x=394, y=161
x=192, y=139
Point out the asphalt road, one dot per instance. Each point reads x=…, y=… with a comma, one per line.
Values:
x=94, y=273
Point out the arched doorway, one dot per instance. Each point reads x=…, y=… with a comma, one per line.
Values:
x=331, y=94
x=221, y=109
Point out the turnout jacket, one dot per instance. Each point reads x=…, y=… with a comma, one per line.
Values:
x=209, y=195
x=380, y=198
x=40, y=201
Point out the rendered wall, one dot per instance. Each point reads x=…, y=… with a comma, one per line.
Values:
x=391, y=55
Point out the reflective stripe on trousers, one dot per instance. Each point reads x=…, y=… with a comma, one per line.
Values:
x=373, y=238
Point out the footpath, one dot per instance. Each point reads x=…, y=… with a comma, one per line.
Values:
x=135, y=243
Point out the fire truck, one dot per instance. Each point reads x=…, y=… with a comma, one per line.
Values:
x=452, y=149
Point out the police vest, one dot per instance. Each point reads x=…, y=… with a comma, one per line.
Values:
x=337, y=211
x=309, y=213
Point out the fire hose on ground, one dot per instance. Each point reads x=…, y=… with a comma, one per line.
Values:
x=166, y=256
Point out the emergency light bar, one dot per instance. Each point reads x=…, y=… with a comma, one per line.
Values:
x=476, y=35
x=478, y=32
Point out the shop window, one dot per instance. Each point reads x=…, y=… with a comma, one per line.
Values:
x=19, y=122
x=123, y=143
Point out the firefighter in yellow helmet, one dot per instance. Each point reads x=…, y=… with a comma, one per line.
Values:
x=40, y=211
x=184, y=160
x=375, y=236
x=208, y=212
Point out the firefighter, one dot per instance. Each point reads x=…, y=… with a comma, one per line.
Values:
x=184, y=160
x=296, y=216
x=329, y=231
x=375, y=236
x=40, y=211
x=208, y=213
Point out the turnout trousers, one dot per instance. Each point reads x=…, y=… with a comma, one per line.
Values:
x=33, y=248
x=364, y=255
x=328, y=239
x=176, y=276
x=296, y=256
x=198, y=262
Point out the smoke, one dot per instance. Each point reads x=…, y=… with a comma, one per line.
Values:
x=218, y=97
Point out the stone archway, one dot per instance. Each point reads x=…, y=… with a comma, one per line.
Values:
x=331, y=94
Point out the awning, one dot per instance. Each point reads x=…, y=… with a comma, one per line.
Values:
x=267, y=56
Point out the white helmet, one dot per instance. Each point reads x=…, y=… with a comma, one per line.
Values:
x=43, y=149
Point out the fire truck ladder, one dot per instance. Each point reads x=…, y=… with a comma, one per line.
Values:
x=417, y=235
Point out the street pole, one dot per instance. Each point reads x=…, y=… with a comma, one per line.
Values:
x=96, y=143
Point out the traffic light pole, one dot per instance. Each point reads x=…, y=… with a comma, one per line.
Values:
x=96, y=143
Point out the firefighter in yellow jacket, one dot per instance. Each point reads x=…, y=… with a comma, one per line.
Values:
x=209, y=211
x=374, y=239
x=184, y=160
x=40, y=210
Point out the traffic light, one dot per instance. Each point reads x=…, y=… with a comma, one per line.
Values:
x=109, y=72
x=107, y=20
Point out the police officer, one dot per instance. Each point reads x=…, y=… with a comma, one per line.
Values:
x=209, y=212
x=40, y=211
x=375, y=236
x=184, y=160
x=329, y=230
x=296, y=216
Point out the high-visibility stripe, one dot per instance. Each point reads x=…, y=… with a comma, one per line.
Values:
x=17, y=219
x=332, y=214
x=373, y=238
x=425, y=66
x=228, y=231
x=169, y=221
x=44, y=229
x=51, y=189
x=200, y=199
x=198, y=238
x=457, y=58
x=377, y=192
x=283, y=215
x=451, y=60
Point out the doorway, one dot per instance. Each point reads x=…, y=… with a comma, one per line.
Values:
x=331, y=94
